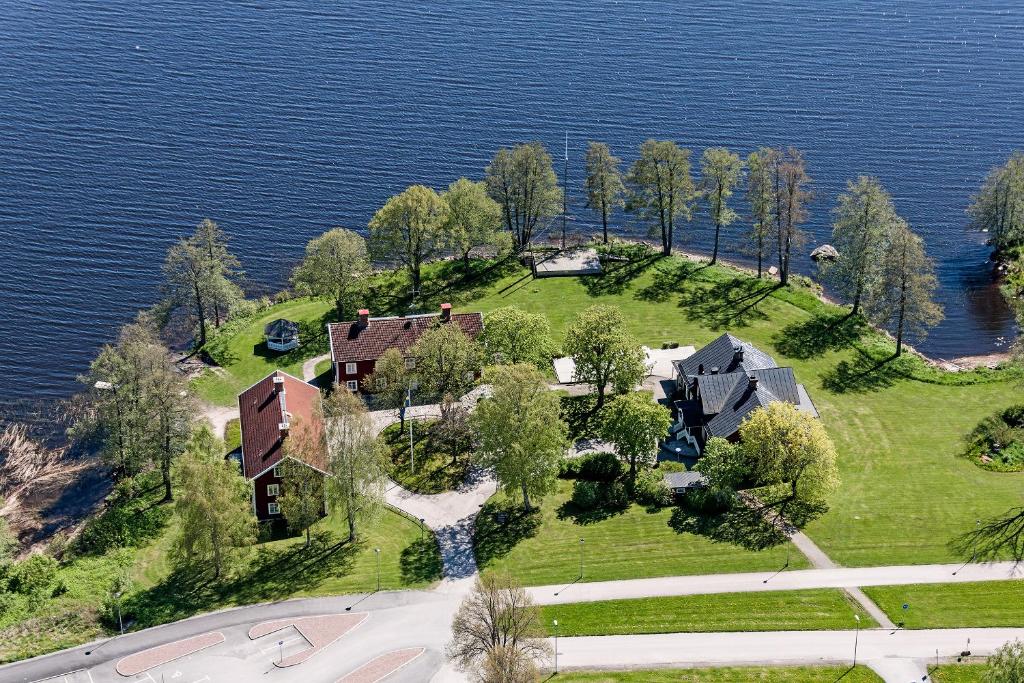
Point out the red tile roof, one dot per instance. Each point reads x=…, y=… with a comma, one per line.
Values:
x=351, y=342
x=262, y=409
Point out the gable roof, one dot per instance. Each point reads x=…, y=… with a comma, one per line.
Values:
x=773, y=384
x=721, y=354
x=263, y=408
x=352, y=341
x=281, y=328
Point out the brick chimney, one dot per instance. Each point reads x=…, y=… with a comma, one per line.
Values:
x=753, y=382
x=446, y=312
x=364, y=317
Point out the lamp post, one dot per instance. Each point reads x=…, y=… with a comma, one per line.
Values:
x=377, y=551
x=581, y=559
x=555, y=622
x=856, y=638
x=120, y=623
x=280, y=651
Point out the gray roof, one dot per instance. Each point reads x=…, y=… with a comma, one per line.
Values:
x=685, y=480
x=281, y=328
x=721, y=354
x=773, y=384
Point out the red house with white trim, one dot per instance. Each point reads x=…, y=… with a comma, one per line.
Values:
x=269, y=411
x=358, y=344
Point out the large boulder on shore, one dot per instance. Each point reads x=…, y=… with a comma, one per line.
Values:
x=825, y=252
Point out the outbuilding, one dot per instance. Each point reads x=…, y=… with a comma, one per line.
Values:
x=281, y=335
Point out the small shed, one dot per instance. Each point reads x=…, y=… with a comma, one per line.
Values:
x=681, y=482
x=281, y=335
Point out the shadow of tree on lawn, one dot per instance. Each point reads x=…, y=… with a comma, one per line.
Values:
x=500, y=527
x=862, y=374
x=740, y=525
x=819, y=334
x=583, y=517
x=420, y=561
x=616, y=280
x=668, y=280
x=579, y=413
x=731, y=303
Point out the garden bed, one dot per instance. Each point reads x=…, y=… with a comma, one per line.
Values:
x=997, y=443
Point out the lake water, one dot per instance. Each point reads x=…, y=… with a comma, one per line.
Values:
x=125, y=122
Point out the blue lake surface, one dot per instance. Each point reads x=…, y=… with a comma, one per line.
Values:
x=125, y=122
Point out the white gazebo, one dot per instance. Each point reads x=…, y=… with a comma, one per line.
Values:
x=281, y=335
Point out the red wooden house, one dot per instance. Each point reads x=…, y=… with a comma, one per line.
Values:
x=269, y=411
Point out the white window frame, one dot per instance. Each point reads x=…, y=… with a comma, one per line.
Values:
x=276, y=472
x=352, y=385
x=273, y=509
x=410, y=363
x=274, y=490
x=350, y=368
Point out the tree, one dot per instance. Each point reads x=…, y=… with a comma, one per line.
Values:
x=635, y=423
x=390, y=380
x=408, y=228
x=604, y=183
x=783, y=445
x=864, y=217
x=356, y=459
x=720, y=170
x=523, y=182
x=724, y=467
x=519, y=431
x=201, y=277
x=998, y=207
x=661, y=189
x=213, y=504
x=792, y=194
x=761, y=196
x=901, y=301
x=604, y=353
x=473, y=218
x=447, y=361
x=512, y=335
x=302, y=487
x=1006, y=665
x=497, y=632
x=335, y=268
x=170, y=426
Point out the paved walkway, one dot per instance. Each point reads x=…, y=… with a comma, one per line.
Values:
x=309, y=367
x=219, y=416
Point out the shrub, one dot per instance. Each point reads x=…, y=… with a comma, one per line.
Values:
x=600, y=466
x=126, y=524
x=34, y=575
x=997, y=443
x=592, y=495
x=650, y=489
x=569, y=468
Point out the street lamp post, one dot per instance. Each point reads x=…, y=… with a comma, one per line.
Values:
x=856, y=638
x=581, y=558
x=120, y=623
x=555, y=622
x=377, y=551
x=280, y=651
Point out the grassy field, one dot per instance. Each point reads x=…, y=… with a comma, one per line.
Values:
x=435, y=472
x=761, y=674
x=957, y=673
x=800, y=610
x=543, y=547
x=953, y=605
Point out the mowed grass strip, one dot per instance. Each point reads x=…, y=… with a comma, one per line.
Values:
x=800, y=610
x=953, y=605
x=746, y=674
x=957, y=673
x=544, y=547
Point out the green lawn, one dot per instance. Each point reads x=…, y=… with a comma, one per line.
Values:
x=435, y=471
x=760, y=674
x=232, y=434
x=953, y=605
x=799, y=610
x=543, y=547
x=957, y=673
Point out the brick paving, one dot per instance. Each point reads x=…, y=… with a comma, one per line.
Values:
x=157, y=656
x=379, y=668
x=319, y=632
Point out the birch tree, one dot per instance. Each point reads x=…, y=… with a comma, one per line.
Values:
x=356, y=459
x=408, y=228
x=998, y=207
x=604, y=183
x=720, y=170
x=523, y=182
x=761, y=196
x=661, y=189
x=336, y=267
x=302, y=495
x=792, y=194
x=473, y=219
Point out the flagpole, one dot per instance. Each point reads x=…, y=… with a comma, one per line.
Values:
x=565, y=187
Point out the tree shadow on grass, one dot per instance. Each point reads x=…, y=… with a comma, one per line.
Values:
x=862, y=374
x=420, y=561
x=668, y=279
x=819, y=334
x=579, y=413
x=583, y=517
x=731, y=303
x=615, y=280
x=501, y=526
x=740, y=525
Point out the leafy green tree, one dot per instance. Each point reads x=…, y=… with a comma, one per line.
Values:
x=213, y=505
x=409, y=229
x=604, y=353
x=661, y=188
x=447, y=361
x=8, y=542
x=723, y=465
x=523, y=182
x=512, y=335
x=792, y=194
x=998, y=207
x=605, y=189
x=302, y=487
x=389, y=382
x=171, y=411
x=864, y=217
x=902, y=300
x=200, y=277
x=783, y=445
x=356, y=459
x=720, y=171
x=761, y=197
x=335, y=268
x=520, y=432
x=635, y=423
x=1006, y=665
x=473, y=219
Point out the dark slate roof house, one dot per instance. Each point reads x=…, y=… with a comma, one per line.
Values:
x=723, y=383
